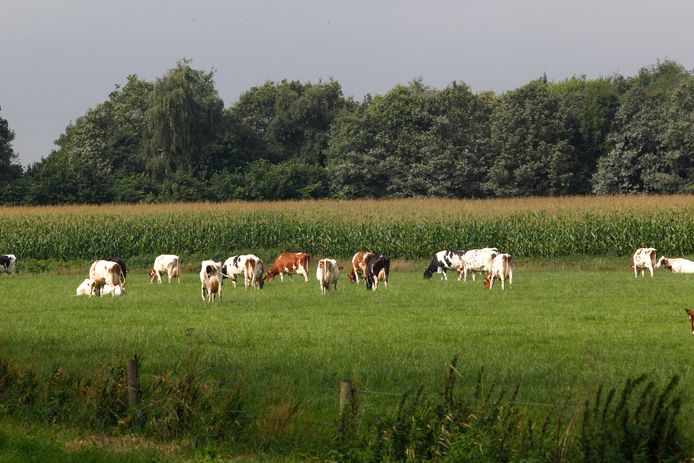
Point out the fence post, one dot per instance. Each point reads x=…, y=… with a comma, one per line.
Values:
x=348, y=397
x=133, y=379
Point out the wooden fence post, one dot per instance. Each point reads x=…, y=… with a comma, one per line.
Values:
x=348, y=396
x=133, y=379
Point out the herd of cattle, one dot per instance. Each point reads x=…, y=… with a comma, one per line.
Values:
x=109, y=276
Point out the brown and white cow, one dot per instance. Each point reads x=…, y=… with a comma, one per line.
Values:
x=477, y=260
x=289, y=263
x=690, y=312
x=676, y=265
x=644, y=258
x=358, y=266
x=208, y=269
x=105, y=272
x=327, y=273
x=502, y=268
x=214, y=288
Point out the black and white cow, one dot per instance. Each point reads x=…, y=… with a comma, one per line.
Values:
x=8, y=264
x=443, y=261
x=377, y=269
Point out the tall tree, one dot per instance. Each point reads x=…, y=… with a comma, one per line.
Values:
x=183, y=121
x=10, y=171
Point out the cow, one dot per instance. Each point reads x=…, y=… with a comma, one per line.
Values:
x=248, y=265
x=8, y=264
x=358, y=266
x=214, y=288
x=477, y=260
x=644, y=258
x=289, y=262
x=327, y=273
x=690, y=312
x=501, y=268
x=168, y=263
x=208, y=269
x=443, y=261
x=113, y=290
x=676, y=265
x=377, y=269
x=85, y=288
x=105, y=272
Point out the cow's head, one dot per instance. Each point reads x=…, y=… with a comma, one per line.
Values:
x=663, y=262
x=427, y=274
x=488, y=281
x=352, y=277
x=152, y=275
x=690, y=312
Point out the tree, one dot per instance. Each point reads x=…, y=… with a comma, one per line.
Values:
x=532, y=154
x=653, y=149
x=183, y=122
x=10, y=172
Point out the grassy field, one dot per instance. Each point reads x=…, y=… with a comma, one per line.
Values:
x=558, y=333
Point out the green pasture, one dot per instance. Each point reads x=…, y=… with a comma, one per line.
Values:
x=558, y=333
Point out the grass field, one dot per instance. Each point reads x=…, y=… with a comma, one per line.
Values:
x=558, y=333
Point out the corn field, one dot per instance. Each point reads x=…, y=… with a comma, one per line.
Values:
x=407, y=229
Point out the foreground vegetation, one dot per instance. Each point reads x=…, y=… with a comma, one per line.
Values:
x=260, y=372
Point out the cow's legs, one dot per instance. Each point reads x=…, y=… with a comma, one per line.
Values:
x=650, y=268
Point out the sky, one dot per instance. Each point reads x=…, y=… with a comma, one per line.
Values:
x=58, y=59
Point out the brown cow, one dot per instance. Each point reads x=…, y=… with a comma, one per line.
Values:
x=289, y=263
x=359, y=266
x=690, y=312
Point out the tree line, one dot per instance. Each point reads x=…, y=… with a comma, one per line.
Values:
x=174, y=140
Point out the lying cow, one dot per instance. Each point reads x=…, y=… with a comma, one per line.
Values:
x=248, y=265
x=477, y=261
x=443, y=261
x=289, y=263
x=358, y=266
x=85, y=289
x=8, y=264
x=644, y=258
x=501, y=268
x=105, y=272
x=377, y=269
x=208, y=270
x=690, y=312
x=327, y=273
x=168, y=263
x=676, y=265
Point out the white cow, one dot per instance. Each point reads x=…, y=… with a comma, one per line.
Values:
x=85, y=288
x=168, y=263
x=248, y=265
x=501, y=268
x=644, y=258
x=477, y=260
x=105, y=272
x=677, y=265
x=8, y=264
x=112, y=290
x=208, y=269
x=327, y=273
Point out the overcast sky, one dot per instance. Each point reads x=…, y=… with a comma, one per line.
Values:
x=60, y=58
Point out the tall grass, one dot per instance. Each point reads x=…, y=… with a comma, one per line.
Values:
x=409, y=229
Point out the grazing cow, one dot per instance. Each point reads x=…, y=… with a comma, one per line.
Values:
x=168, y=263
x=477, y=260
x=85, y=288
x=327, y=273
x=644, y=258
x=210, y=268
x=289, y=262
x=250, y=266
x=377, y=269
x=358, y=266
x=105, y=272
x=123, y=268
x=8, y=264
x=676, y=265
x=214, y=288
x=444, y=261
x=690, y=312
x=502, y=268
